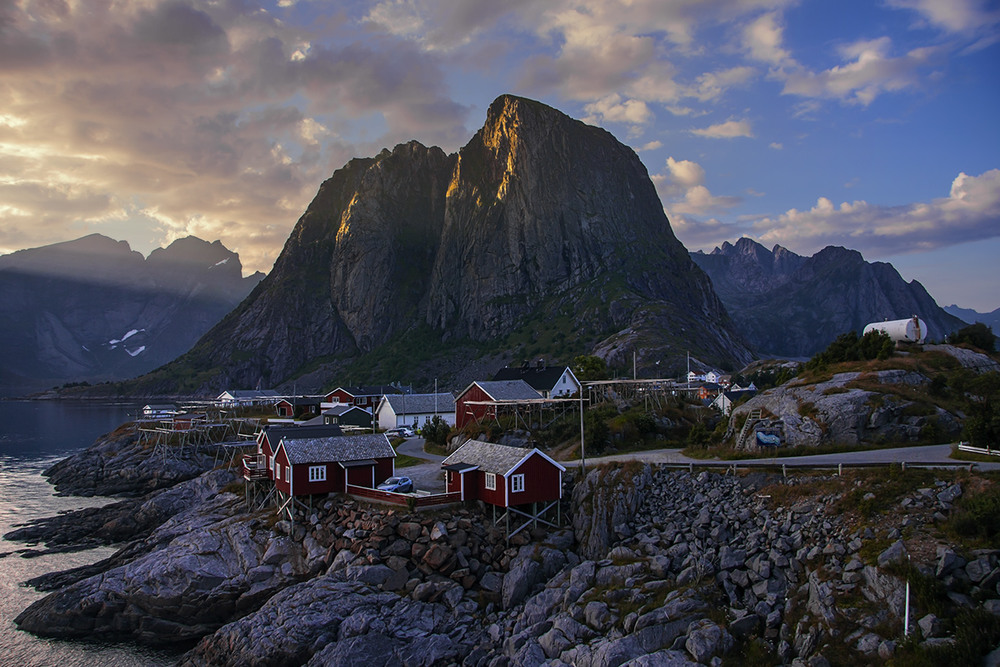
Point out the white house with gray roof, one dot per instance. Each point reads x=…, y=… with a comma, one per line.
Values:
x=414, y=410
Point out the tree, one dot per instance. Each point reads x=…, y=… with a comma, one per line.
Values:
x=436, y=431
x=589, y=367
x=977, y=335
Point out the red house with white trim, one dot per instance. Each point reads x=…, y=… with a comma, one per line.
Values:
x=307, y=466
x=363, y=397
x=469, y=409
x=502, y=475
x=269, y=437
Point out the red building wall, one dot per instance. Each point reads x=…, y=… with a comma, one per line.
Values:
x=384, y=469
x=478, y=477
x=541, y=481
x=479, y=412
x=334, y=482
x=360, y=476
x=341, y=396
x=282, y=484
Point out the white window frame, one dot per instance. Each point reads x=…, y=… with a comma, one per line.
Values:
x=491, y=481
x=517, y=483
x=288, y=473
x=317, y=473
x=277, y=471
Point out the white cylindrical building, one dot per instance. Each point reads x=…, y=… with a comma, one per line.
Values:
x=912, y=330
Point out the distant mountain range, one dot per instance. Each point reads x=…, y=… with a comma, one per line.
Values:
x=792, y=306
x=543, y=236
x=93, y=309
x=971, y=316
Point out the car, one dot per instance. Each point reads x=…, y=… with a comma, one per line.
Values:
x=397, y=485
x=406, y=432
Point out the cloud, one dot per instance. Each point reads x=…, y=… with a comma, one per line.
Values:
x=954, y=16
x=683, y=186
x=614, y=109
x=868, y=71
x=728, y=130
x=651, y=146
x=171, y=118
x=968, y=213
x=763, y=38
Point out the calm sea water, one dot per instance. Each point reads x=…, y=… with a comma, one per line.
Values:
x=33, y=436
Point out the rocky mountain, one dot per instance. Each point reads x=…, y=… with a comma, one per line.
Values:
x=94, y=310
x=793, y=306
x=542, y=235
x=971, y=316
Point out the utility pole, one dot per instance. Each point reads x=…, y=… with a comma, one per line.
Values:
x=583, y=449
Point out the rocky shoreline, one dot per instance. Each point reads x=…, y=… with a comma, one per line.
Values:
x=658, y=567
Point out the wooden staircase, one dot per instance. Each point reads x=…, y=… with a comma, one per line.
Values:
x=754, y=417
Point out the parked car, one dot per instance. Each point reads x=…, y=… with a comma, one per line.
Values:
x=397, y=485
x=406, y=431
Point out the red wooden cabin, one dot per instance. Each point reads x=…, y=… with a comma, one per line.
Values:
x=468, y=407
x=307, y=466
x=501, y=475
x=270, y=436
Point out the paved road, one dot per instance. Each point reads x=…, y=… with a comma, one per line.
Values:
x=924, y=455
x=426, y=476
x=429, y=476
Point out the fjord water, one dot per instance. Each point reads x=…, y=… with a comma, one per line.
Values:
x=33, y=436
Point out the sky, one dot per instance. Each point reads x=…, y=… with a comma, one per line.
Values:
x=868, y=124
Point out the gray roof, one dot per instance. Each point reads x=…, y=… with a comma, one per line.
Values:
x=509, y=390
x=252, y=393
x=341, y=408
x=342, y=448
x=490, y=457
x=420, y=403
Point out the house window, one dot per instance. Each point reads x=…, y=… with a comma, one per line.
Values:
x=317, y=473
x=491, y=481
x=517, y=483
x=288, y=474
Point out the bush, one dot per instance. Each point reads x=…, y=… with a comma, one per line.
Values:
x=977, y=335
x=849, y=347
x=436, y=431
x=977, y=516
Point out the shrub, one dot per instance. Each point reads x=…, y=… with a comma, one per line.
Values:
x=977, y=516
x=977, y=335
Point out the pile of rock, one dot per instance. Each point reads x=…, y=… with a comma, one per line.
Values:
x=118, y=464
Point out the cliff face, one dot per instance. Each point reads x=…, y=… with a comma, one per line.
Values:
x=794, y=306
x=93, y=309
x=537, y=215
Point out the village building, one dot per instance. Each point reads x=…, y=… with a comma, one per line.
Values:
x=472, y=404
x=159, y=410
x=725, y=401
x=347, y=415
x=269, y=437
x=363, y=397
x=549, y=381
x=502, y=475
x=246, y=397
x=414, y=410
x=708, y=391
x=304, y=466
x=298, y=406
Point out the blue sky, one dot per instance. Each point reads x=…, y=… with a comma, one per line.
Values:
x=871, y=125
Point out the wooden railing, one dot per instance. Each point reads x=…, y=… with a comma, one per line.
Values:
x=404, y=499
x=254, y=467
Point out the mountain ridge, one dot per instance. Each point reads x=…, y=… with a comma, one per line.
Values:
x=799, y=308
x=93, y=310
x=538, y=218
